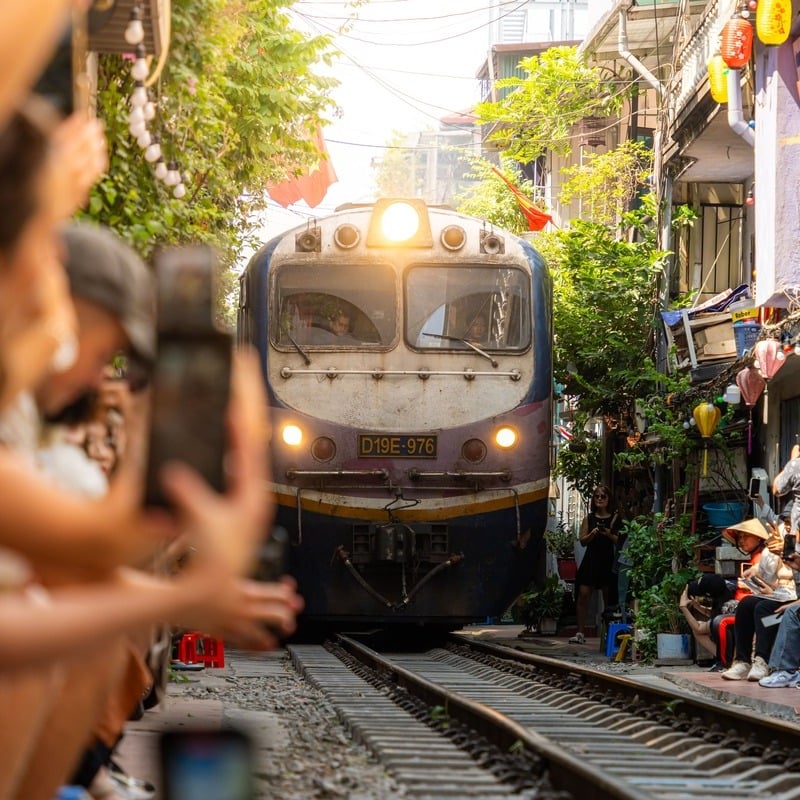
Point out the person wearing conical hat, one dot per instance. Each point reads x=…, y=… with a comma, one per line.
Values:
x=772, y=584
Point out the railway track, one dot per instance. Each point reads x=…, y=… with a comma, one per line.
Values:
x=477, y=720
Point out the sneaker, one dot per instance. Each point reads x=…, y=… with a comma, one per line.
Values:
x=737, y=671
x=578, y=638
x=780, y=679
x=759, y=670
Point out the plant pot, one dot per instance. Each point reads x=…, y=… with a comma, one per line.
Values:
x=567, y=568
x=673, y=645
x=548, y=626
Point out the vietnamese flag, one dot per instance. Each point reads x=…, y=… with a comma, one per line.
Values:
x=310, y=186
x=537, y=219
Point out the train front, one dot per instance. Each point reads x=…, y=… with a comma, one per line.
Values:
x=407, y=354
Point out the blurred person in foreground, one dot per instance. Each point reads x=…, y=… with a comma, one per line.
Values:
x=38, y=630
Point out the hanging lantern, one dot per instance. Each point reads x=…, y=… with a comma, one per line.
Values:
x=769, y=359
x=718, y=79
x=737, y=42
x=750, y=384
x=773, y=20
x=707, y=416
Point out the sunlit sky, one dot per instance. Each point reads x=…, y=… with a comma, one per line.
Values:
x=404, y=64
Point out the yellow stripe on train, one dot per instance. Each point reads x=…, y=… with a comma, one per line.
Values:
x=334, y=505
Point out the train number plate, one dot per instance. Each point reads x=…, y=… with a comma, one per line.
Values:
x=396, y=445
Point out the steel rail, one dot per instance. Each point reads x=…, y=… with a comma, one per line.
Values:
x=565, y=771
x=764, y=731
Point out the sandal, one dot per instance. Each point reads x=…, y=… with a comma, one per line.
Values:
x=578, y=638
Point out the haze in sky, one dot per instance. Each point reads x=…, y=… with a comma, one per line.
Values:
x=404, y=65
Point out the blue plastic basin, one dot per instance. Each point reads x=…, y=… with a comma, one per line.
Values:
x=722, y=515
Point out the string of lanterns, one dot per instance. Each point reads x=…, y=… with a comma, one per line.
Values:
x=143, y=110
x=773, y=25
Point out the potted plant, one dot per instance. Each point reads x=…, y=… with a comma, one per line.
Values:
x=561, y=543
x=661, y=551
x=541, y=606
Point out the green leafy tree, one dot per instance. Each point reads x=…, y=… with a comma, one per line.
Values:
x=236, y=103
x=490, y=199
x=605, y=183
x=604, y=309
x=394, y=173
x=539, y=113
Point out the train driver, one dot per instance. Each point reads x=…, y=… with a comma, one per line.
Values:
x=340, y=323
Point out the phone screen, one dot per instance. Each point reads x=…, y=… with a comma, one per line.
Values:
x=754, y=486
x=789, y=544
x=207, y=765
x=191, y=387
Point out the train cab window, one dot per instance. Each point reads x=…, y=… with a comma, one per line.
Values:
x=488, y=307
x=336, y=305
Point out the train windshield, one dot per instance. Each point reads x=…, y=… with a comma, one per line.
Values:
x=339, y=305
x=488, y=307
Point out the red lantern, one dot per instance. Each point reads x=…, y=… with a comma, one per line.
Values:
x=737, y=42
x=774, y=20
x=769, y=359
x=717, y=79
x=750, y=384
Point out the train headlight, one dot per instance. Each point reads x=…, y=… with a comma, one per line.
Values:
x=323, y=449
x=346, y=236
x=505, y=437
x=292, y=435
x=399, y=222
x=453, y=237
x=473, y=450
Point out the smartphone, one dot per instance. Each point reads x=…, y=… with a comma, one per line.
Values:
x=191, y=376
x=56, y=81
x=755, y=485
x=789, y=545
x=273, y=556
x=206, y=765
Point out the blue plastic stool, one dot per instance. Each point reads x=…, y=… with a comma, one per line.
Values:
x=615, y=629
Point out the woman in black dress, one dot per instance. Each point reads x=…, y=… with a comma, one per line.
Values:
x=599, y=535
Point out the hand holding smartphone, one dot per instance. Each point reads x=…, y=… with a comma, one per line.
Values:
x=207, y=765
x=191, y=377
x=789, y=545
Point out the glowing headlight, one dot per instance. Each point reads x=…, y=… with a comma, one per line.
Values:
x=292, y=435
x=505, y=437
x=400, y=221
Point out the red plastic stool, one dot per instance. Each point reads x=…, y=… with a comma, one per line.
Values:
x=212, y=652
x=726, y=631
x=189, y=648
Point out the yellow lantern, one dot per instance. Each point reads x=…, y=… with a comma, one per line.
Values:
x=718, y=79
x=707, y=416
x=773, y=20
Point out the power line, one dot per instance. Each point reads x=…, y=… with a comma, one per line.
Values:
x=458, y=35
x=380, y=21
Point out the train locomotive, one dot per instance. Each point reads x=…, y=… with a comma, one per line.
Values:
x=407, y=355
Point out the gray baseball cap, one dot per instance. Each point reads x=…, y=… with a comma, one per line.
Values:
x=104, y=270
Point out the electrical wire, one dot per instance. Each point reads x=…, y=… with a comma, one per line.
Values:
x=381, y=21
x=458, y=35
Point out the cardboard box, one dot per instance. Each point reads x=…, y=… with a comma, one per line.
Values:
x=725, y=348
x=713, y=333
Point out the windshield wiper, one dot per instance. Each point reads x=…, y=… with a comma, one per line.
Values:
x=467, y=342
x=299, y=350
